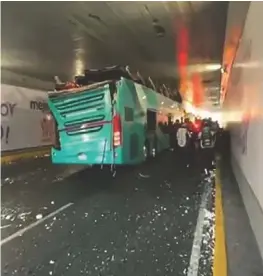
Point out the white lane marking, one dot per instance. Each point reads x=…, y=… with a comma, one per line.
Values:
x=144, y=175
x=197, y=243
x=32, y=225
x=5, y=226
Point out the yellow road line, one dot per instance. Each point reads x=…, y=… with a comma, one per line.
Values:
x=23, y=155
x=220, y=260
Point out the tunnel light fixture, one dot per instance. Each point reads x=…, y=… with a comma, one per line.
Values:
x=203, y=68
x=79, y=67
x=213, y=67
x=144, y=97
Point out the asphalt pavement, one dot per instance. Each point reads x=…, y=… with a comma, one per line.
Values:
x=72, y=220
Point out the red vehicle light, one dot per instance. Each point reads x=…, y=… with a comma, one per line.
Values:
x=117, y=131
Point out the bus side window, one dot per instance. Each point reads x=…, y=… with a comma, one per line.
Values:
x=151, y=120
x=128, y=114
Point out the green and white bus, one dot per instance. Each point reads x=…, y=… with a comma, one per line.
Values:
x=109, y=119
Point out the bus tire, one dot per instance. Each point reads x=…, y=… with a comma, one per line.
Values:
x=146, y=150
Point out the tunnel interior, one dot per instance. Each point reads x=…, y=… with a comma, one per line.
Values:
x=130, y=138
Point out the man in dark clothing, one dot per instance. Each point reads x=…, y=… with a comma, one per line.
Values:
x=170, y=132
x=196, y=128
x=207, y=144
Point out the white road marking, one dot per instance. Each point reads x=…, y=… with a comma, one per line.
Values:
x=32, y=225
x=144, y=175
x=197, y=243
x=5, y=226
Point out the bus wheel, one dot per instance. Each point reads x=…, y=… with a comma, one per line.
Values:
x=146, y=150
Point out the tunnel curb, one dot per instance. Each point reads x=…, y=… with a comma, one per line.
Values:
x=7, y=158
x=220, y=259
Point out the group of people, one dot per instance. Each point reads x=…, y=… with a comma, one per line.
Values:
x=195, y=138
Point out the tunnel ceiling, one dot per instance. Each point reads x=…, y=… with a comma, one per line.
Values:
x=43, y=39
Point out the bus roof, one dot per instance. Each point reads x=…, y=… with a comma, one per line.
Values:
x=114, y=73
x=78, y=89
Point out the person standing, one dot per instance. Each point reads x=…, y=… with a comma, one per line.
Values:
x=176, y=126
x=183, y=141
x=207, y=146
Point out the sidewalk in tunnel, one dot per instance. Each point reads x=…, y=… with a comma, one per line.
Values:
x=141, y=223
x=243, y=256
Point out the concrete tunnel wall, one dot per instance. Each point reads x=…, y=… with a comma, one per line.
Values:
x=23, y=102
x=236, y=16
x=244, y=108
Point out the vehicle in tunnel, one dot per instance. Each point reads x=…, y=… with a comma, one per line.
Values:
x=109, y=119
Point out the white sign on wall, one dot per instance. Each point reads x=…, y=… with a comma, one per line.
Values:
x=23, y=120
